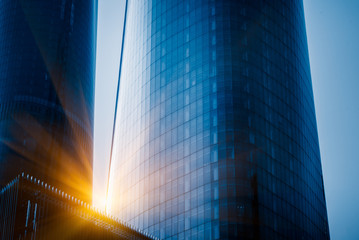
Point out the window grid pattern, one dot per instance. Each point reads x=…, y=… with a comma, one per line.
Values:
x=215, y=135
x=47, y=66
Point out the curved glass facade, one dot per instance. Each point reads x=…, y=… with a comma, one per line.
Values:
x=47, y=71
x=215, y=134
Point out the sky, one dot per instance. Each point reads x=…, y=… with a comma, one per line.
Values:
x=333, y=41
x=109, y=39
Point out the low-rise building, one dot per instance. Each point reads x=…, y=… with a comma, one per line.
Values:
x=32, y=209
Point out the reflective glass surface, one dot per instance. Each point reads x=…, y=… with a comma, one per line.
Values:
x=215, y=134
x=47, y=70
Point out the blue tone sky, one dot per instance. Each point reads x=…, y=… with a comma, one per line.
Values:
x=333, y=39
x=109, y=38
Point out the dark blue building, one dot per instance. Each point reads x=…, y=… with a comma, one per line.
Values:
x=47, y=72
x=215, y=129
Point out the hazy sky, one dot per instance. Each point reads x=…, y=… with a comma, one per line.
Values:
x=109, y=38
x=333, y=39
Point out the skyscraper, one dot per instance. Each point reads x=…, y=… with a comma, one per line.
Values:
x=215, y=132
x=47, y=71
